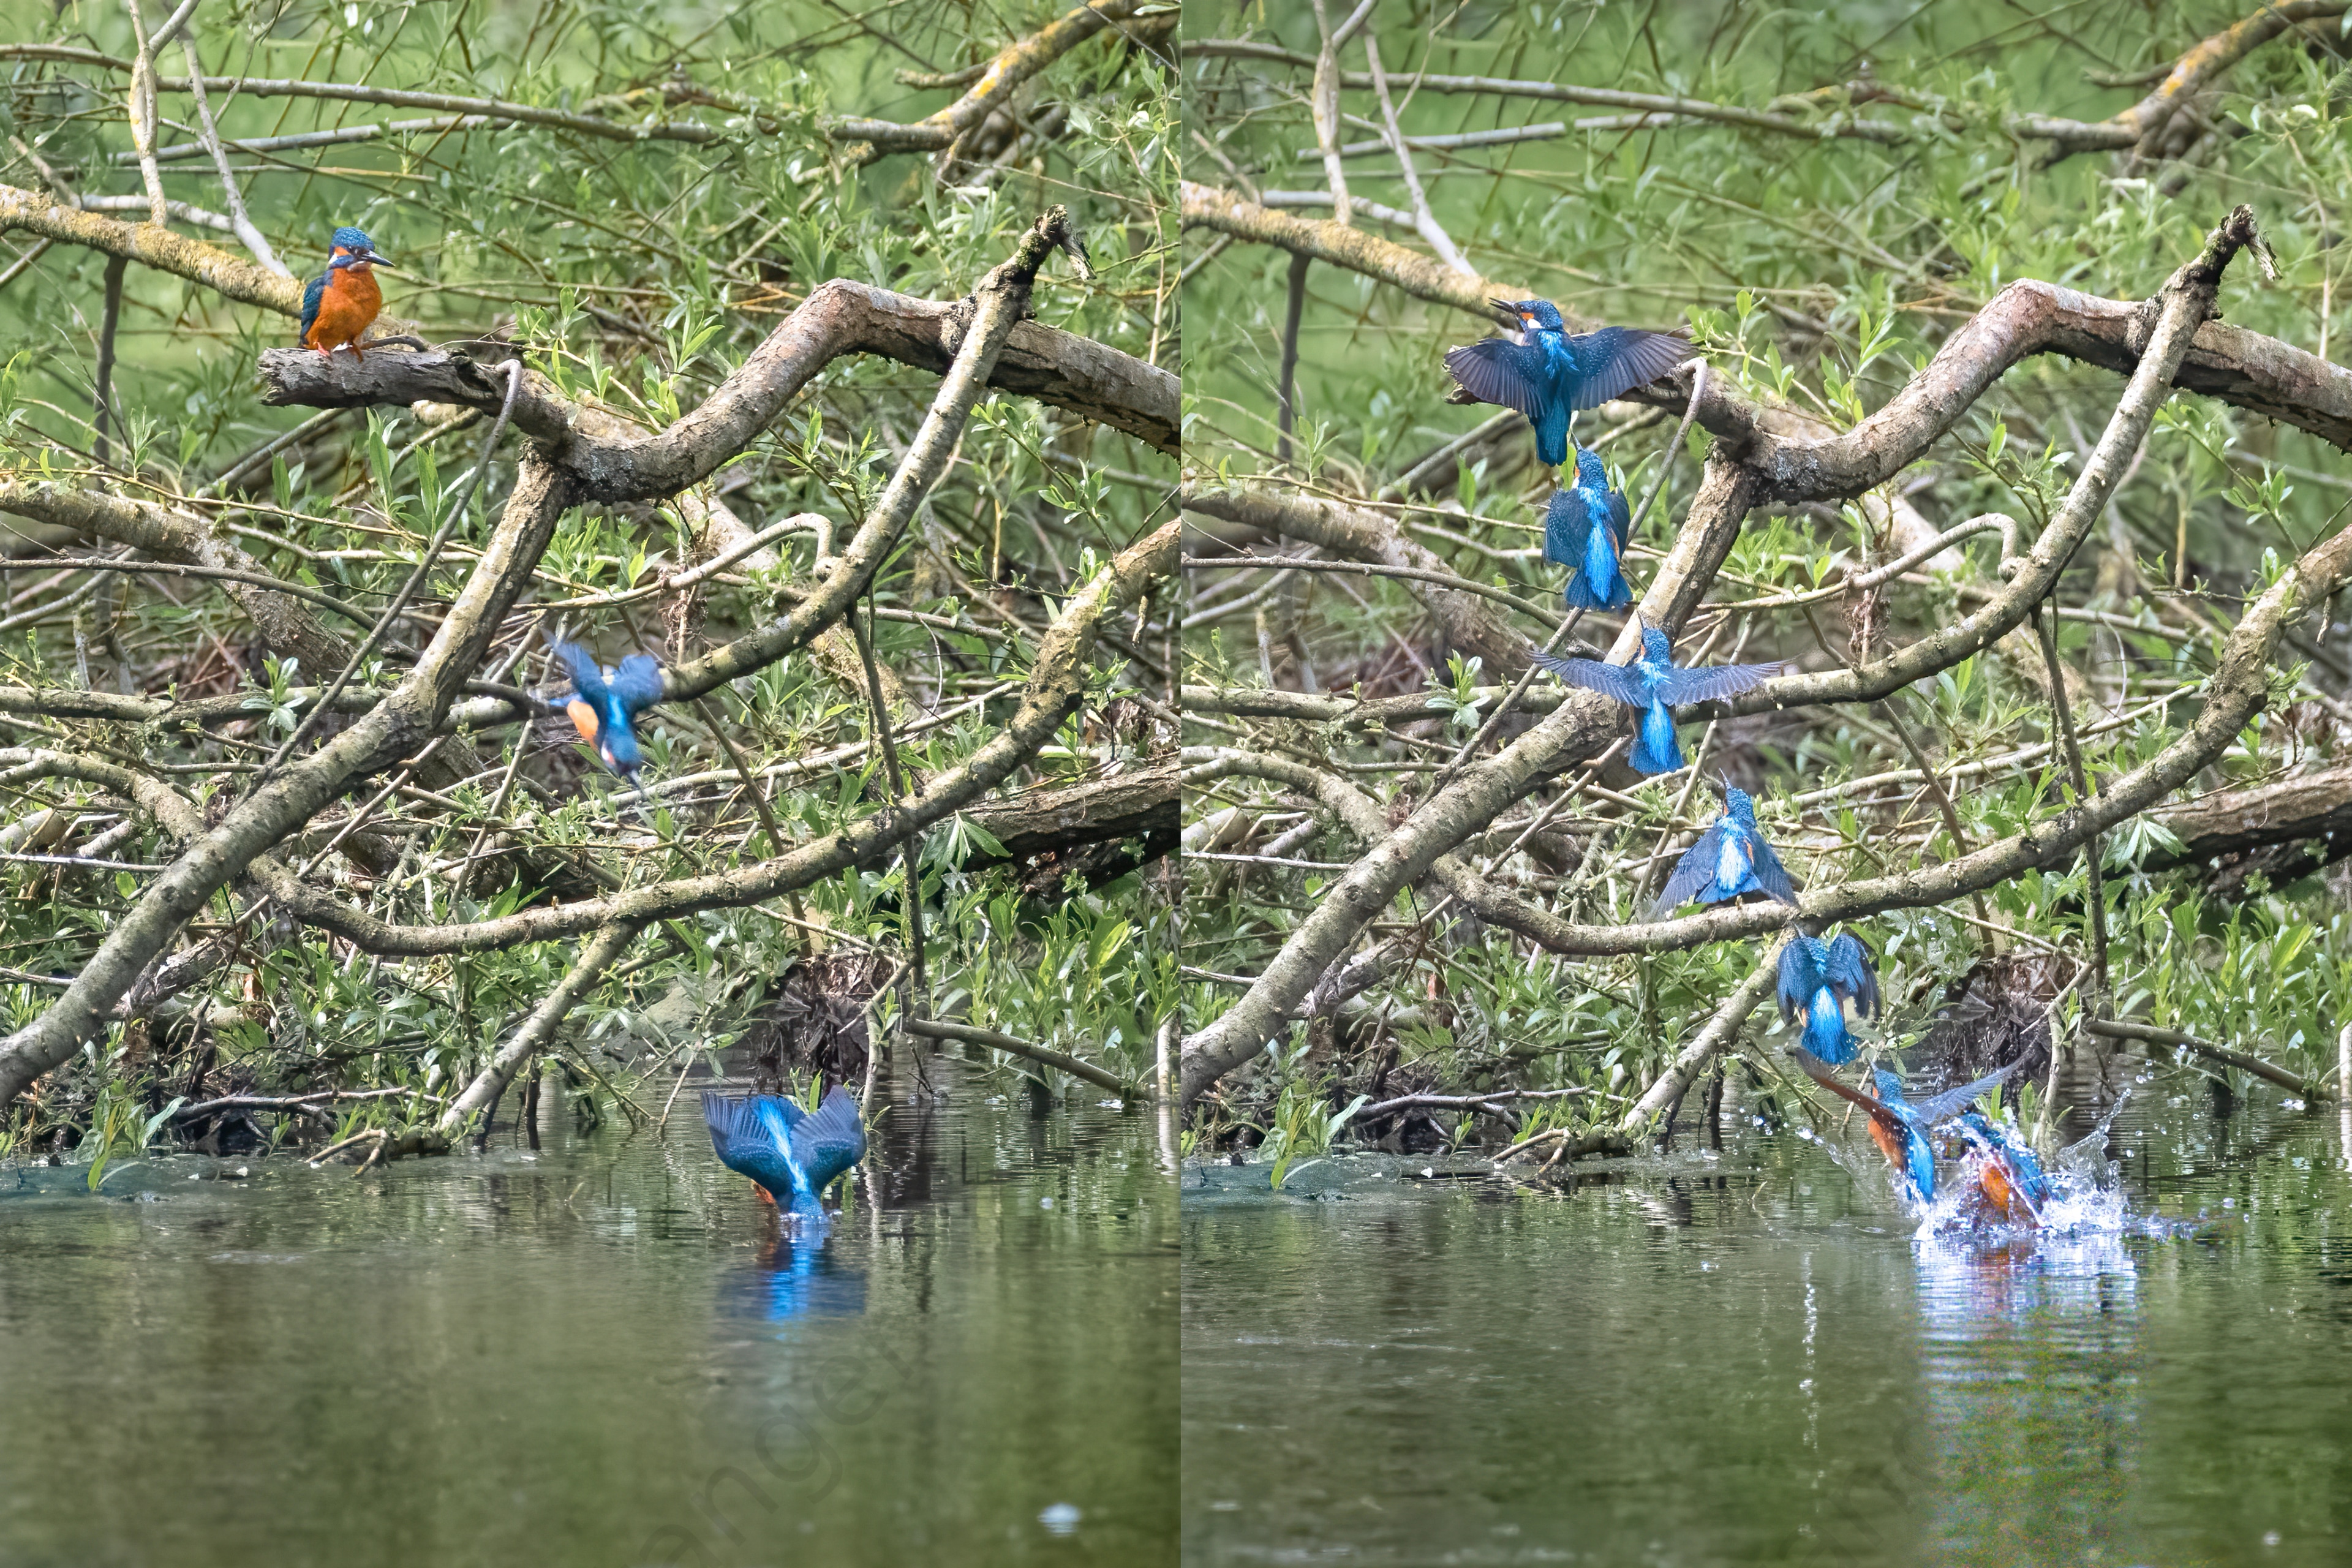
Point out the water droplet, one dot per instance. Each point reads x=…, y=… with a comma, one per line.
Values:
x=1061, y=1518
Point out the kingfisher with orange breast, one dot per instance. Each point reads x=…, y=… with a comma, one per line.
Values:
x=342, y=302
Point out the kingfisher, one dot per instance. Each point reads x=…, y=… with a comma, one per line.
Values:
x=342, y=302
x=603, y=706
x=1547, y=374
x=791, y=1154
x=2007, y=1175
x=1816, y=978
x=1729, y=859
x=1899, y=1127
x=1653, y=684
x=1585, y=530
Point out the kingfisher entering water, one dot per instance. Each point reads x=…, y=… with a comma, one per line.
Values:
x=793, y=1154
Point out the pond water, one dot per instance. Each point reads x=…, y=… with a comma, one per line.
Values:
x=600, y=1352
x=1750, y=1357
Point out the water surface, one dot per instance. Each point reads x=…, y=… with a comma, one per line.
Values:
x=600, y=1352
x=1749, y=1358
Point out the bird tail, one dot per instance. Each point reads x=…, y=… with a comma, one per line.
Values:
x=1551, y=438
x=1655, y=750
x=1825, y=1031
x=1598, y=583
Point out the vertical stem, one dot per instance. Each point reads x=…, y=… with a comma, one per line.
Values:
x=142, y=115
x=913, y=905
x=1424, y=219
x=1324, y=106
x=247, y=233
x=1944, y=807
x=1285, y=394
x=2045, y=622
x=102, y=398
x=599, y=954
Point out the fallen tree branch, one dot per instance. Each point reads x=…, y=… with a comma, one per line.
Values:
x=2123, y=1029
x=938, y=1029
x=1139, y=804
x=1361, y=535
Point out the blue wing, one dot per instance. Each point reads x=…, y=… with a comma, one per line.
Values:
x=1771, y=875
x=743, y=1139
x=587, y=675
x=1712, y=682
x=1567, y=523
x=1800, y=976
x=1615, y=360
x=1620, y=681
x=1497, y=370
x=1694, y=871
x=832, y=1140
x=313, y=292
x=1621, y=521
x=1848, y=974
x=1953, y=1102
x=637, y=684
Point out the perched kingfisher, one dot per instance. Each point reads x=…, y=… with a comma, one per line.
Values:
x=2010, y=1178
x=342, y=302
x=1549, y=376
x=1731, y=858
x=1816, y=977
x=793, y=1154
x=1585, y=530
x=1899, y=1128
x=1653, y=684
x=604, y=705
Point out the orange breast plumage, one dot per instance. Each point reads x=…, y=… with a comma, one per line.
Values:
x=346, y=309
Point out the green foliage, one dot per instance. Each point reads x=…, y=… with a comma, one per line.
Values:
x=1821, y=272
x=635, y=274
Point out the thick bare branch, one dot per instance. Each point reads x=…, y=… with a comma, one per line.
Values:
x=871, y=139
x=613, y=460
x=1471, y=625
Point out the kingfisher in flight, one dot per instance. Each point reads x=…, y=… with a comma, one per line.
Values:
x=1729, y=859
x=1549, y=376
x=791, y=1154
x=603, y=705
x=1900, y=1128
x=342, y=302
x=1652, y=685
x=1586, y=530
x=1816, y=979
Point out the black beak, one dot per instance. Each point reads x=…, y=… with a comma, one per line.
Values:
x=1509, y=312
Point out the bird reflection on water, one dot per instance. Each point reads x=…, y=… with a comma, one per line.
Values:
x=794, y=1277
